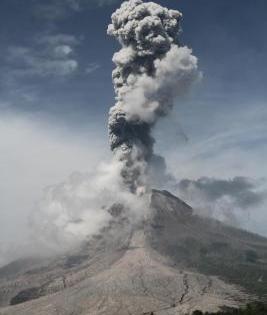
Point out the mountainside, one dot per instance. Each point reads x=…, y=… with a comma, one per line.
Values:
x=172, y=262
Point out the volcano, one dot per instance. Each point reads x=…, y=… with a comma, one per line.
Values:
x=173, y=261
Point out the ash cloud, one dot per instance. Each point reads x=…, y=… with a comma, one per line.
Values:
x=224, y=199
x=241, y=189
x=152, y=69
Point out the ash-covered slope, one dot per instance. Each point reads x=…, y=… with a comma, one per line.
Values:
x=167, y=264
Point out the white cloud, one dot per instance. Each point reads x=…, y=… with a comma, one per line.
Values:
x=53, y=40
x=52, y=55
x=229, y=145
x=62, y=51
x=223, y=155
x=92, y=67
x=54, y=10
x=59, y=9
x=106, y=2
x=232, y=144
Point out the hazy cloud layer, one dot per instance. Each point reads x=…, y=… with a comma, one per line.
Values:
x=33, y=154
x=41, y=55
x=240, y=189
x=59, y=9
x=49, y=55
x=227, y=200
x=92, y=67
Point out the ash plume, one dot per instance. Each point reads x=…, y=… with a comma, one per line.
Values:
x=152, y=68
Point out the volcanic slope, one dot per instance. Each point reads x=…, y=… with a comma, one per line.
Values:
x=172, y=262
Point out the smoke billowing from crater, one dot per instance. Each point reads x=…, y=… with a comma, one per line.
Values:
x=152, y=68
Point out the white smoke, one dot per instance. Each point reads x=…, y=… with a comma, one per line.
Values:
x=78, y=208
x=152, y=68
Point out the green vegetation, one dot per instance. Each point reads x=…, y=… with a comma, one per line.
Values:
x=256, y=308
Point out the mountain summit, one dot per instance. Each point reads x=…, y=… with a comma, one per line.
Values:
x=173, y=262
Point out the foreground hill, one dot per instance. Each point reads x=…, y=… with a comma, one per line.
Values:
x=173, y=262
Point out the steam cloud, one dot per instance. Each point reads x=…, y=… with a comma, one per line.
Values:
x=152, y=68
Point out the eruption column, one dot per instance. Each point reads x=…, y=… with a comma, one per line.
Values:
x=152, y=68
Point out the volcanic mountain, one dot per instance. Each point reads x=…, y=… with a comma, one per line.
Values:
x=173, y=261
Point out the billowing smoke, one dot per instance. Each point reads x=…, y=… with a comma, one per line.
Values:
x=78, y=208
x=152, y=68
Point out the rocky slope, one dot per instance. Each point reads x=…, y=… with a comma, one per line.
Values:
x=172, y=262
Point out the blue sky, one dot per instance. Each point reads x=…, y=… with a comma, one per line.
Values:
x=56, y=61
x=56, y=89
x=228, y=38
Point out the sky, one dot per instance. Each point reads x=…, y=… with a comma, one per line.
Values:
x=56, y=90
